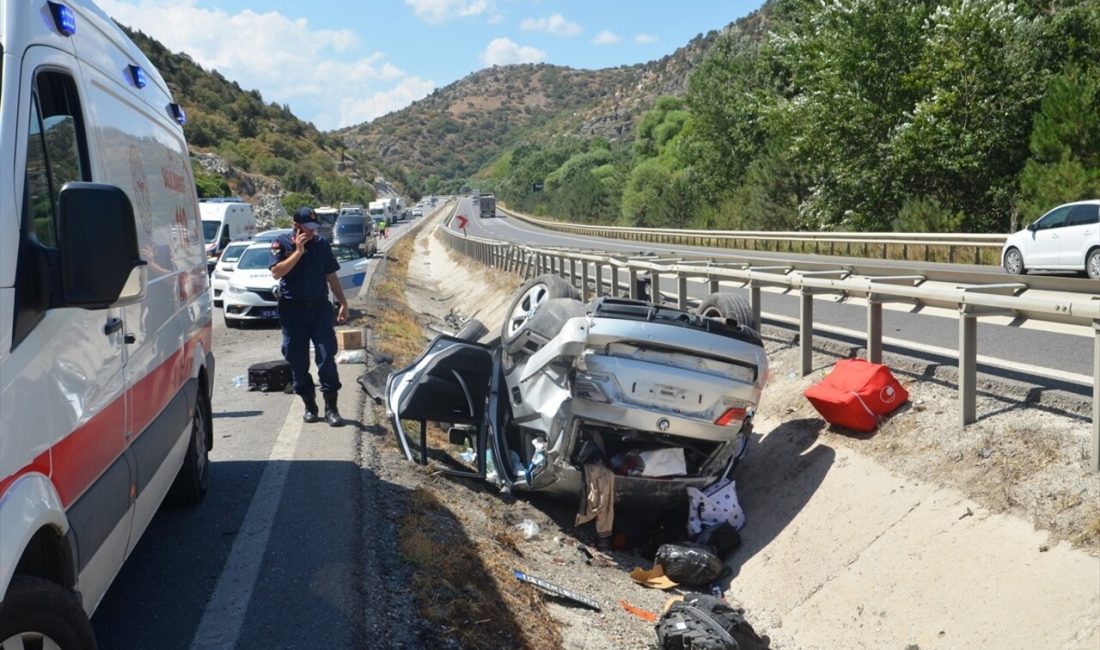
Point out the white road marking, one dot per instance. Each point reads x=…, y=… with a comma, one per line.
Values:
x=223, y=617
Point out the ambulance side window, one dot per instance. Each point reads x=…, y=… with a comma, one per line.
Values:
x=55, y=150
x=56, y=154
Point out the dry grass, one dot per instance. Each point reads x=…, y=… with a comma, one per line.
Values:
x=396, y=328
x=463, y=579
x=462, y=572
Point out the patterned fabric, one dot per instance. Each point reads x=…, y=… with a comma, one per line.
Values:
x=713, y=505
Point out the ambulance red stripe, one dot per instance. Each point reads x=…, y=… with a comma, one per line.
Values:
x=78, y=459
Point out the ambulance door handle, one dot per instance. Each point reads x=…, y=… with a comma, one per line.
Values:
x=113, y=325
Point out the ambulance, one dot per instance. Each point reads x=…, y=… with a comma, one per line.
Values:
x=105, y=315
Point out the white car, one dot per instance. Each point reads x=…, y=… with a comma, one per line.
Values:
x=226, y=263
x=1065, y=239
x=250, y=292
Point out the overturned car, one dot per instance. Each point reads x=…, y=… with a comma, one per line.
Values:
x=663, y=397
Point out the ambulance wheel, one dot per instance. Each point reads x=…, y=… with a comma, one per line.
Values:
x=37, y=613
x=190, y=485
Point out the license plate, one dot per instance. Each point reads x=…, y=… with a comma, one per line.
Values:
x=269, y=313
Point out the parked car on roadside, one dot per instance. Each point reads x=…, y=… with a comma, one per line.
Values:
x=271, y=235
x=251, y=291
x=356, y=230
x=418, y=212
x=1065, y=239
x=226, y=263
x=662, y=397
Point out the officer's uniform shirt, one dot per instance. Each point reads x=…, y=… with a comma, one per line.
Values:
x=306, y=281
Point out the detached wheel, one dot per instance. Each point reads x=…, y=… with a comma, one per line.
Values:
x=194, y=476
x=37, y=613
x=1014, y=262
x=1092, y=264
x=526, y=302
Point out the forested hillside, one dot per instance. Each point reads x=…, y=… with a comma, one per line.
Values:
x=305, y=166
x=961, y=115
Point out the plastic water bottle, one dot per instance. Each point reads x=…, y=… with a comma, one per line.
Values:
x=240, y=381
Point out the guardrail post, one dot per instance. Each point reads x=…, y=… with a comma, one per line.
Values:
x=968, y=366
x=634, y=289
x=654, y=287
x=586, y=294
x=573, y=272
x=754, y=302
x=561, y=267
x=713, y=287
x=614, y=281
x=599, y=279
x=806, y=331
x=681, y=291
x=874, y=330
x=1095, y=449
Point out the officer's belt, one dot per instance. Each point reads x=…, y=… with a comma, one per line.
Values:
x=304, y=304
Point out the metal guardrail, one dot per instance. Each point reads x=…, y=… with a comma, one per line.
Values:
x=975, y=248
x=599, y=273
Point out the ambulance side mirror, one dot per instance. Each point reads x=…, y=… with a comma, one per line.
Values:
x=99, y=245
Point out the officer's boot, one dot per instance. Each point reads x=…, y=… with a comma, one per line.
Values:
x=332, y=416
x=311, y=409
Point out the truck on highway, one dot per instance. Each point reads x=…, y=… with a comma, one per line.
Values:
x=487, y=207
x=383, y=209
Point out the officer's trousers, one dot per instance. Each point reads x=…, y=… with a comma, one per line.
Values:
x=302, y=323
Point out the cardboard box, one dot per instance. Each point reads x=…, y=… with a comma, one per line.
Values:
x=349, y=339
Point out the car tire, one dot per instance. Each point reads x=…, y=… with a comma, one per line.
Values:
x=190, y=485
x=726, y=306
x=1014, y=262
x=526, y=301
x=39, y=613
x=1092, y=264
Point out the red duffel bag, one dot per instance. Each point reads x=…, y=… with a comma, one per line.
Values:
x=856, y=394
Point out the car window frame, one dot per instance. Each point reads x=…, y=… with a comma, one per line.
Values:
x=1084, y=208
x=1063, y=211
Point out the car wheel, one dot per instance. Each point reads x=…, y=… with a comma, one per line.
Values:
x=1014, y=262
x=194, y=476
x=527, y=300
x=1092, y=264
x=726, y=306
x=37, y=613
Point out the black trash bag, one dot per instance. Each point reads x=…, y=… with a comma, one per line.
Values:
x=702, y=622
x=724, y=538
x=690, y=564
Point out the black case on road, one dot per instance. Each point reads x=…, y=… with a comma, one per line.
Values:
x=269, y=376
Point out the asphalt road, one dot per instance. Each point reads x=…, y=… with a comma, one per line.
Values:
x=1038, y=352
x=280, y=554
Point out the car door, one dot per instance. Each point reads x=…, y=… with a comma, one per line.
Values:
x=1082, y=231
x=455, y=383
x=1043, y=249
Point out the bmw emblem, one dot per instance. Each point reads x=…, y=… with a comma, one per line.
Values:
x=663, y=424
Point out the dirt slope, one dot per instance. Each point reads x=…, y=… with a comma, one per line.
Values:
x=922, y=535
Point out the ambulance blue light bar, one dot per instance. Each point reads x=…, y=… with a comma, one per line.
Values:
x=138, y=75
x=63, y=18
x=177, y=113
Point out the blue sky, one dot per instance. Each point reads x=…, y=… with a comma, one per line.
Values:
x=339, y=63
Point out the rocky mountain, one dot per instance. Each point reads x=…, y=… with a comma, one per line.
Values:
x=459, y=128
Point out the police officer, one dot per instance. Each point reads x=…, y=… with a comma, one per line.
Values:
x=303, y=264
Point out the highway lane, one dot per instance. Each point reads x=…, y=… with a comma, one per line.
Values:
x=284, y=551
x=1050, y=351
